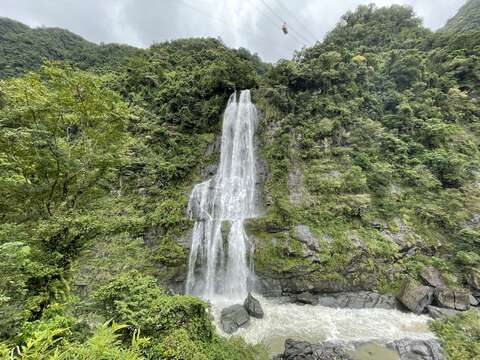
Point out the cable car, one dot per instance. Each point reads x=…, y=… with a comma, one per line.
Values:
x=284, y=28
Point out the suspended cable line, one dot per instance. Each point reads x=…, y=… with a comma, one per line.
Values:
x=299, y=35
x=207, y=14
x=301, y=23
x=274, y=22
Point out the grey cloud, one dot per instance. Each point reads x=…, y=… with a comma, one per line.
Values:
x=240, y=23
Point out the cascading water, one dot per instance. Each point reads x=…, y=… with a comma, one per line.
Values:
x=220, y=252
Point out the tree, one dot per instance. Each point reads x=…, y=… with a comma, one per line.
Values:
x=61, y=130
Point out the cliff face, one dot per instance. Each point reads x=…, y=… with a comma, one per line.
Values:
x=372, y=166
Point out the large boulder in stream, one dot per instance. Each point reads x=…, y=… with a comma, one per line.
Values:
x=233, y=317
x=415, y=296
x=253, y=307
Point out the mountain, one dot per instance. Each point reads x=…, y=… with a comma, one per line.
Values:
x=466, y=19
x=23, y=48
x=367, y=173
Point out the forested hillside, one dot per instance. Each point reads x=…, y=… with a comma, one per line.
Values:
x=369, y=161
x=467, y=19
x=23, y=48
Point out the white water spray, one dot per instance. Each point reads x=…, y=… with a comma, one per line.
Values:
x=220, y=253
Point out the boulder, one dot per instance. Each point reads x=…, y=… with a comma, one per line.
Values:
x=359, y=300
x=233, y=317
x=415, y=296
x=473, y=300
x=432, y=277
x=409, y=349
x=209, y=171
x=253, y=307
x=301, y=350
x=403, y=349
x=306, y=298
x=438, y=313
x=473, y=278
x=452, y=299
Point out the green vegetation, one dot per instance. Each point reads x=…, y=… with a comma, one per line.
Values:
x=23, y=48
x=466, y=19
x=95, y=175
x=371, y=139
x=460, y=335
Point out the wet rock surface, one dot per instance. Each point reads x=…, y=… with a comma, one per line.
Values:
x=234, y=317
x=409, y=349
x=415, y=296
x=253, y=307
x=438, y=312
x=299, y=280
x=305, y=298
x=404, y=349
x=360, y=300
x=301, y=350
x=350, y=300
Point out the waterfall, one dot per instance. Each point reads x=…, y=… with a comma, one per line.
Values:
x=220, y=251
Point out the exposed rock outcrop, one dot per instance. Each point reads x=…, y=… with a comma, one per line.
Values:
x=404, y=349
x=453, y=299
x=409, y=349
x=303, y=234
x=301, y=350
x=234, y=317
x=306, y=298
x=253, y=307
x=360, y=300
x=432, y=277
x=438, y=312
x=415, y=296
x=473, y=279
x=350, y=300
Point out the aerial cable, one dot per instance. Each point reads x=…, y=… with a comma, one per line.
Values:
x=300, y=36
x=207, y=14
x=301, y=23
x=267, y=16
x=272, y=21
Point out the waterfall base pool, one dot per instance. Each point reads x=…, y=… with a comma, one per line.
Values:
x=316, y=324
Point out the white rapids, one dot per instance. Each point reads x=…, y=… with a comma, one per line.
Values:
x=319, y=323
x=219, y=263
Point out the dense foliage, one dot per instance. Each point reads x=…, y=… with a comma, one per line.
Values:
x=23, y=48
x=460, y=335
x=371, y=138
x=95, y=174
x=466, y=19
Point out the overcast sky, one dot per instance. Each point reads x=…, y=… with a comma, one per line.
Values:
x=254, y=24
